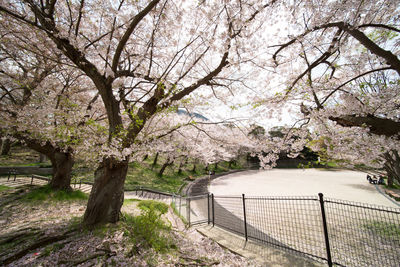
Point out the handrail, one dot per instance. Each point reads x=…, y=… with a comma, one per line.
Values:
x=140, y=188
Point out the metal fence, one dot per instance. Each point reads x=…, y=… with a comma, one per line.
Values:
x=334, y=231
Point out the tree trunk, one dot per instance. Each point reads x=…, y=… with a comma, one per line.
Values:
x=145, y=157
x=194, y=167
x=216, y=166
x=42, y=158
x=181, y=164
x=107, y=195
x=155, y=161
x=231, y=164
x=5, y=147
x=62, y=163
x=392, y=166
x=166, y=164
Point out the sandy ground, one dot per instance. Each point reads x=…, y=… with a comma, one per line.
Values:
x=339, y=184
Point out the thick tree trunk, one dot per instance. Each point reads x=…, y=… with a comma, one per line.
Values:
x=392, y=166
x=107, y=195
x=5, y=147
x=62, y=163
x=42, y=158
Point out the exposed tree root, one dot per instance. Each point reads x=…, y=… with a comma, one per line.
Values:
x=98, y=253
x=44, y=241
x=16, y=235
x=189, y=261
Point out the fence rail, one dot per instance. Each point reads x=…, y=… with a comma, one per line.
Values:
x=333, y=231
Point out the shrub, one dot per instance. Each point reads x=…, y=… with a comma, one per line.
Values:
x=148, y=230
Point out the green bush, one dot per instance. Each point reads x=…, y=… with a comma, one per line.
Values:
x=148, y=230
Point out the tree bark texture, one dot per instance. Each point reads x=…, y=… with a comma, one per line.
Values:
x=166, y=164
x=62, y=163
x=392, y=166
x=42, y=158
x=380, y=126
x=107, y=195
x=5, y=147
x=194, y=167
x=62, y=160
x=155, y=161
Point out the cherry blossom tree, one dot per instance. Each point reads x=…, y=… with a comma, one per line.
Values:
x=341, y=66
x=43, y=102
x=142, y=57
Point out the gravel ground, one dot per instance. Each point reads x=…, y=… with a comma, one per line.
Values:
x=339, y=184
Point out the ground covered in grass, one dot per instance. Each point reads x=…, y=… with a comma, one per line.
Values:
x=46, y=231
x=144, y=173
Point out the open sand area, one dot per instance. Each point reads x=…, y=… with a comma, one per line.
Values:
x=339, y=184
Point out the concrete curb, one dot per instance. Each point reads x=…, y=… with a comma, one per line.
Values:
x=385, y=195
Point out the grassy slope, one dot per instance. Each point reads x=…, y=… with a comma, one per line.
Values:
x=142, y=174
x=41, y=227
x=21, y=156
x=139, y=173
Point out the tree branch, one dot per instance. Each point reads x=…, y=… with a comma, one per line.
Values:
x=379, y=126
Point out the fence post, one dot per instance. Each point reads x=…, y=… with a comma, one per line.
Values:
x=180, y=205
x=32, y=180
x=244, y=216
x=188, y=209
x=212, y=209
x=328, y=249
x=208, y=208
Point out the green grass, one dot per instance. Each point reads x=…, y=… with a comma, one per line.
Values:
x=4, y=188
x=130, y=200
x=384, y=229
x=139, y=173
x=394, y=186
x=142, y=174
x=148, y=230
x=46, y=193
x=173, y=206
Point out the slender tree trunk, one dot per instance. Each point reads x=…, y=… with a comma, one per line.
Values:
x=5, y=147
x=206, y=168
x=145, y=157
x=194, y=167
x=216, y=166
x=166, y=164
x=62, y=163
x=181, y=164
x=155, y=161
x=231, y=163
x=107, y=195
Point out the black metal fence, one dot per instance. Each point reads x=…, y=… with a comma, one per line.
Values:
x=337, y=232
